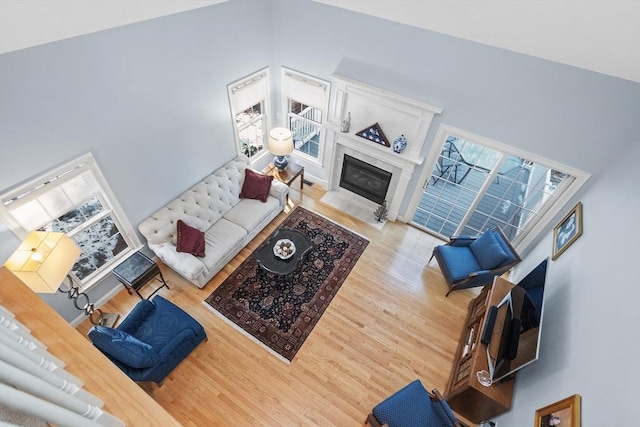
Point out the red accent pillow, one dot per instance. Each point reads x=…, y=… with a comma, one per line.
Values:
x=190, y=240
x=256, y=185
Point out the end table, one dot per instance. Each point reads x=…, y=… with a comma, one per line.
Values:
x=136, y=271
x=288, y=175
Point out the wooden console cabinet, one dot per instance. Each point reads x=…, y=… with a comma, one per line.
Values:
x=464, y=393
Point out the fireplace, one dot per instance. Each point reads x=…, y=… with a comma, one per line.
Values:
x=364, y=179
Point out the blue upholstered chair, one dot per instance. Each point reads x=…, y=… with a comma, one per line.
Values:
x=467, y=262
x=413, y=406
x=151, y=341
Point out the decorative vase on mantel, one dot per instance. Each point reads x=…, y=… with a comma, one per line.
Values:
x=346, y=124
x=399, y=144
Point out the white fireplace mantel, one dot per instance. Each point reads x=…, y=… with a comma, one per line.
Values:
x=396, y=114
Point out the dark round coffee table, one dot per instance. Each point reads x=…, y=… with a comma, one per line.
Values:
x=268, y=261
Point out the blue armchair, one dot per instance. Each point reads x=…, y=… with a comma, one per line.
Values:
x=467, y=262
x=151, y=341
x=413, y=406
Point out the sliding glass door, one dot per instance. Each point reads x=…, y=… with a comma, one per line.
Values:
x=475, y=185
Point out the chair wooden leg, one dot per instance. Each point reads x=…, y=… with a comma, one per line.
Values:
x=372, y=421
x=432, y=255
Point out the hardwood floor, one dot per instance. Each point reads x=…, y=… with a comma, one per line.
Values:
x=389, y=324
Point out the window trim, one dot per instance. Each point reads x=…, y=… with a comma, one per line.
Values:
x=232, y=88
x=286, y=73
x=564, y=195
x=37, y=187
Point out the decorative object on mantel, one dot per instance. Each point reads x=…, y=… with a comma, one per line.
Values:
x=346, y=124
x=374, y=133
x=399, y=144
x=380, y=213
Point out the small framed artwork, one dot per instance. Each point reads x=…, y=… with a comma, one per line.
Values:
x=567, y=231
x=565, y=413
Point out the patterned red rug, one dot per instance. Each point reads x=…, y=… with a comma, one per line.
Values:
x=280, y=311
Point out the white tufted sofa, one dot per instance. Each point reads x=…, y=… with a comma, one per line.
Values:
x=214, y=207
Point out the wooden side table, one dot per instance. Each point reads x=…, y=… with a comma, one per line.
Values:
x=288, y=175
x=136, y=271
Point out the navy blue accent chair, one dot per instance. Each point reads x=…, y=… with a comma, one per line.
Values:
x=151, y=341
x=413, y=406
x=467, y=262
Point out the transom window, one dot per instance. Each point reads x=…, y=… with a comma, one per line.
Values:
x=249, y=100
x=305, y=99
x=305, y=124
x=250, y=124
x=74, y=199
x=94, y=229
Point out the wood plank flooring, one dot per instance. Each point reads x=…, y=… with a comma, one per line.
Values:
x=389, y=324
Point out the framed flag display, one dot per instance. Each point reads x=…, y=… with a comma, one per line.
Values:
x=374, y=133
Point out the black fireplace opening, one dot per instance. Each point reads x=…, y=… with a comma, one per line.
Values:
x=364, y=179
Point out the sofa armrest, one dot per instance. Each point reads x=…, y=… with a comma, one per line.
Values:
x=279, y=190
x=124, y=347
x=184, y=263
x=481, y=273
x=461, y=240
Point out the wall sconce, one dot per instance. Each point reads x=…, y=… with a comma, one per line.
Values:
x=280, y=144
x=42, y=262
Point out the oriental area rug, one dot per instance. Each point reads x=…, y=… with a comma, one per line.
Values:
x=280, y=311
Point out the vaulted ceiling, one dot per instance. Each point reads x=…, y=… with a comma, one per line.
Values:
x=597, y=35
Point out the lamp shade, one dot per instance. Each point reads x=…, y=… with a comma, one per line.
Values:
x=43, y=260
x=280, y=141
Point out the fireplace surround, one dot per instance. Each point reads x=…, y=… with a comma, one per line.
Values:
x=396, y=115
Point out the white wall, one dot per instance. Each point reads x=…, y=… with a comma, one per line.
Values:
x=591, y=320
x=149, y=100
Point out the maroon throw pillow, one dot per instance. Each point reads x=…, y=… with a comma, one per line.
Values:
x=256, y=185
x=190, y=240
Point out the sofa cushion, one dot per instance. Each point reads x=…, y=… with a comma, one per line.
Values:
x=488, y=251
x=190, y=240
x=222, y=238
x=249, y=213
x=255, y=185
x=124, y=347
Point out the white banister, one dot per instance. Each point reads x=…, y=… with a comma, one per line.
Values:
x=39, y=408
x=30, y=360
x=15, y=339
x=32, y=383
x=37, y=387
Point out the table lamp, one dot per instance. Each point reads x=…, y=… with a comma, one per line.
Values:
x=280, y=144
x=42, y=262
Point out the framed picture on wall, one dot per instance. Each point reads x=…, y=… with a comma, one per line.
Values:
x=567, y=231
x=565, y=413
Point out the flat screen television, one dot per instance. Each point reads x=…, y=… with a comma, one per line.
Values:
x=517, y=325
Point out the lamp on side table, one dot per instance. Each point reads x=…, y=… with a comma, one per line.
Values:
x=42, y=262
x=280, y=144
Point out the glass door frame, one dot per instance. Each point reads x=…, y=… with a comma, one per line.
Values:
x=561, y=197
